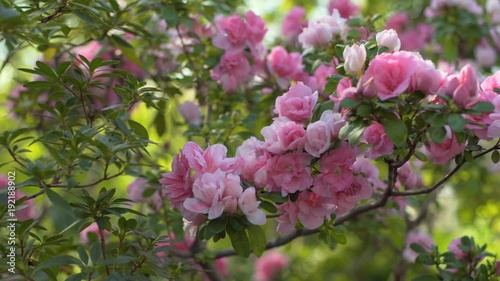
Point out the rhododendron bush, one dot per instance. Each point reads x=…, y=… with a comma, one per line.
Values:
x=207, y=140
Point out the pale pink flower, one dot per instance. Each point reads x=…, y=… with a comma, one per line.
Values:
x=136, y=189
x=256, y=28
x=297, y=104
x=284, y=65
x=444, y=152
x=462, y=87
x=249, y=206
x=391, y=73
x=398, y=21
x=320, y=33
x=232, y=33
x=414, y=39
x=453, y=247
x=270, y=264
x=289, y=217
x=293, y=23
x=408, y=178
x=388, y=38
x=178, y=184
x=210, y=160
x=423, y=239
x=335, y=122
x=313, y=209
x=283, y=135
x=378, y=141
x=346, y=199
x=426, y=79
x=92, y=228
x=477, y=122
x=318, y=136
x=255, y=155
x=345, y=7
x=215, y=193
x=493, y=10
x=191, y=112
x=485, y=55
x=289, y=173
x=232, y=71
x=367, y=169
x=354, y=59
x=321, y=74
x=494, y=128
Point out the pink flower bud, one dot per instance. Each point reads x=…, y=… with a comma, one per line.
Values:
x=388, y=38
x=354, y=59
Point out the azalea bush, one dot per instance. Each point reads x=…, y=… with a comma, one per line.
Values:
x=182, y=140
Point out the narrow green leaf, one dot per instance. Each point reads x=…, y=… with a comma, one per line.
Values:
x=239, y=241
x=58, y=261
x=495, y=156
x=456, y=122
x=257, y=239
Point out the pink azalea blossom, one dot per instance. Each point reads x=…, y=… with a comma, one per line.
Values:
x=391, y=73
x=453, y=247
x=289, y=173
x=232, y=71
x=423, y=239
x=284, y=65
x=256, y=28
x=293, y=23
x=388, y=38
x=249, y=206
x=335, y=122
x=408, y=178
x=426, y=79
x=321, y=74
x=477, y=122
x=438, y=6
x=414, y=39
x=367, y=169
x=191, y=112
x=232, y=33
x=494, y=129
x=255, y=156
x=398, y=21
x=320, y=33
x=210, y=160
x=270, y=264
x=444, y=152
x=354, y=59
x=346, y=199
x=138, y=187
x=318, y=136
x=378, y=141
x=284, y=135
x=178, y=184
x=462, y=87
x=345, y=7
x=297, y=104
x=289, y=217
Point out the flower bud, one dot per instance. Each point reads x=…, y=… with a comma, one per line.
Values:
x=388, y=38
x=354, y=58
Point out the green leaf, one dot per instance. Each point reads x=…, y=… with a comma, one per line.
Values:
x=437, y=134
x=58, y=261
x=395, y=129
x=117, y=260
x=160, y=124
x=483, y=107
x=139, y=129
x=425, y=258
x=169, y=14
x=349, y=103
x=364, y=110
x=59, y=201
x=417, y=248
x=495, y=156
x=268, y=207
x=425, y=277
x=456, y=122
x=118, y=40
x=239, y=241
x=95, y=252
x=257, y=239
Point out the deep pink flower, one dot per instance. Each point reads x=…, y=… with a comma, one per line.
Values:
x=398, y=21
x=289, y=173
x=232, y=33
x=346, y=199
x=426, y=79
x=256, y=28
x=444, y=152
x=367, y=169
x=178, y=184
x=462, y=87
x=92, y=228
x=284, y=65
x=318, y=136
x=494, y=128
x=477, y=122
x=210, y=160
x=293, y=23
x=408, y=178
x=378, y=141
x=453, y=247
x=232, y=71
x=271, y=263
x=423, y=239
x=391, y=73
x=345, y=7
x=297, y=104
x=249, y=206
x=414, y=39
x=255, y=155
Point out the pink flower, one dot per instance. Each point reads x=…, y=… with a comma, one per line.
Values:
x=313, y=209
x=28, y=211
x=354, y=59
x=255, y=156
x=477, y=123
x=210, y=160
x=293, y=23
x=379, y=143
x=267, y=266
x=414, y=39
x=319, y=33
x=462, y=87
x=485, y=55
x=367, y=169
x=438, y=6
x=426, y=79
x=249, y=206
x=89, y=51
x=284, y=65
x=297, y=104
x=346, y=199
x=289, y=217
x=256, y=28
x=391, y=73
x=444, y=152
x=232, y=71
x=408, y=178
x=494, y=128
x=321, y=74
x=232, y=33
x=190, y=111
x=318, y=135
x=177, y=184
x=345, y=7
x=92, y=228
x=289, y=173
x=423, y=239
x=215, y=193
x=284, y=135
x=453, y=247
x=388, y=38
x=398, y=21
x=345, y=90
x=138, y=187
x=335, y=122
